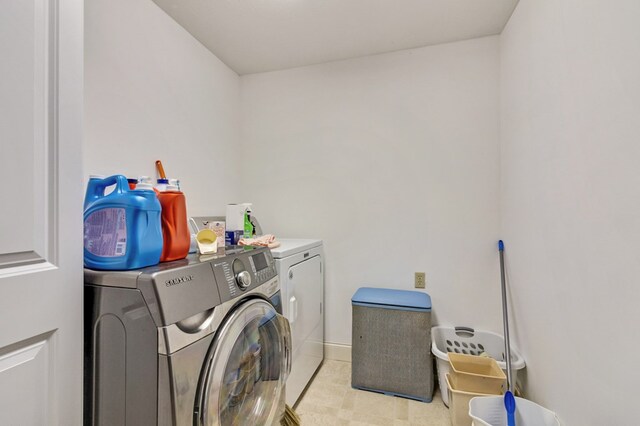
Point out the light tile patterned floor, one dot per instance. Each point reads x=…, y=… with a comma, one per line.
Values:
x=329, y=400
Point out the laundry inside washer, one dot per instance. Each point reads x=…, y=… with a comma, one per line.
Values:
x=200, y=341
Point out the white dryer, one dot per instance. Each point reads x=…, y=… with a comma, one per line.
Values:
x=300, y=266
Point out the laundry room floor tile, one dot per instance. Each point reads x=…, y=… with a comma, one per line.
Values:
x=330, y=400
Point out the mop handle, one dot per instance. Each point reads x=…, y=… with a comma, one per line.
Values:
x=505, y=318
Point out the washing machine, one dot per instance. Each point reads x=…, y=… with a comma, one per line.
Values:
x=201, y=341
x=300, y=266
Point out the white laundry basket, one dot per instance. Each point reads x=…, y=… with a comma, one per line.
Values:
x=465, y=340
x=490, y=411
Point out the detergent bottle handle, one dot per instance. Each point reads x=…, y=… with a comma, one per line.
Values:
x=96, y=187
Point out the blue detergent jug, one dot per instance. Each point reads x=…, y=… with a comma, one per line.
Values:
x=122, y=230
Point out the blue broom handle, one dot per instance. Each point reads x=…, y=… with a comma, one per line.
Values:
x=505, y=318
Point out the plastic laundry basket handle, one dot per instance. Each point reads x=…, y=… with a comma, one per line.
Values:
x=465, y=330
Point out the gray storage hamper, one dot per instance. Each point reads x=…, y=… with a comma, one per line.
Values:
x=391, y=342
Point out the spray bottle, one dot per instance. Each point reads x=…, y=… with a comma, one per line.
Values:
x=248, y=226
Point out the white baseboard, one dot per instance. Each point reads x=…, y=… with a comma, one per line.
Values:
x=337, y=352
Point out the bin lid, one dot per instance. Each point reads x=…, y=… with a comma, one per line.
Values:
x=392, y=299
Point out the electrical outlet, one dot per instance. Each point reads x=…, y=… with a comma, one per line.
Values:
x=421, y=280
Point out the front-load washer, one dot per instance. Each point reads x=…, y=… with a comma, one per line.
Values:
x=199, y=341
x=300, y=266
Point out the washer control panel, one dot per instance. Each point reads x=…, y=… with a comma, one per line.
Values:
x=240, y=272
x=263, y=266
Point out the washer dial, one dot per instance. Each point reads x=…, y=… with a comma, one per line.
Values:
x=242, y=276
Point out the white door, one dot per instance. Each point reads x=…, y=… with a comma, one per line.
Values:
x=305, y=293
x=40, y=212
x=305, y=288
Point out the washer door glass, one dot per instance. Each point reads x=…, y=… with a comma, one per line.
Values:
x=247, y=368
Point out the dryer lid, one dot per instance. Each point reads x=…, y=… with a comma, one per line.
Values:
x=291, y=246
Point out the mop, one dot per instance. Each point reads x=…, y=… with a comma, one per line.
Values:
x=509, y=400
x=290, y=418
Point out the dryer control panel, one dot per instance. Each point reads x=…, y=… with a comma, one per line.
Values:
x=243, y=272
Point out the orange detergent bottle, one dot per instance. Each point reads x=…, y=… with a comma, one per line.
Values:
x=175, y=231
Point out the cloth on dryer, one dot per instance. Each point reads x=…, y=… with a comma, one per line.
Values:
x=267, y=240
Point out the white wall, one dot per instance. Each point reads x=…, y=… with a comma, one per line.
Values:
x=153, y=92
x=570, y=135
x=392, y=160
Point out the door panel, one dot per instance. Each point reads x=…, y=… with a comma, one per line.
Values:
x=305, y=292
x=305, y=288
x=27, y=42
x=41, y=210
x=23, y=373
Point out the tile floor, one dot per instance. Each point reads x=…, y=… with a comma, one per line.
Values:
x=329, y=400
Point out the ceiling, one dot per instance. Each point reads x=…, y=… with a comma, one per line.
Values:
x=253, y=36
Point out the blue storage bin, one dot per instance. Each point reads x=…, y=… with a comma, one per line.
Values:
x=391, y=343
